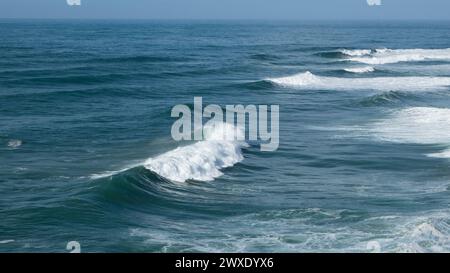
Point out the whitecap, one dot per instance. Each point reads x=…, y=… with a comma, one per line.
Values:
x=443, y=154
x=309, y=81
x=389, y=56
x=364, y=69
x=419, y=125
x=356, y=52
x=201, y=161
x=14, y=143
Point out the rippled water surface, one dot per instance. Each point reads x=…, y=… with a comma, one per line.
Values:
x=86, y=153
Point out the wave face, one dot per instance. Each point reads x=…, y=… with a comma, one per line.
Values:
x=358, y=70
x=203, y=160
x=310, y=81
x=390, y=56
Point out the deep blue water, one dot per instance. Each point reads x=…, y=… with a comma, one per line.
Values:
x=363, y=157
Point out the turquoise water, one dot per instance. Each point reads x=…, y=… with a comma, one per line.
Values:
x=364, y=136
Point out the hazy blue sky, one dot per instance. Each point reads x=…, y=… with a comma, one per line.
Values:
x=228, y=9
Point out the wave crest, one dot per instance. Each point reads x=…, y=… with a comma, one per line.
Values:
x=419, y=125
x=390, y=56
x=201, y=161
x=310, y=81
x=358, y=70
x=356, y=52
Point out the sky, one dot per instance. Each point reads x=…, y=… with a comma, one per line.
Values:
x=230, y=9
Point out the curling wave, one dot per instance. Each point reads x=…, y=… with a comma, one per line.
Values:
x=310, y=81
x=201, y=161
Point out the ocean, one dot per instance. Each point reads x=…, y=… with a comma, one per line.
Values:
x=86, y=152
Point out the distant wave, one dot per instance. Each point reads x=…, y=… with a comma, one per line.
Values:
x=310, y=81
x=385, y=98
x=201, y=161
x=344, y=53
x=14, y=143
x=422, y=125
x=356, y=52
x=419, y=125
x=358, y=70
x=389, y=56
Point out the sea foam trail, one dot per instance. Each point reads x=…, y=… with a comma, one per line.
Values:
x=418, y=125
x=389, y=56
x=310, y=81
x=201, y=161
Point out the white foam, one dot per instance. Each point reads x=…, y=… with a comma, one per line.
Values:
x=273, y=230
x=201, y=161
x=420, y=125
x=427, y=234
x=356, y=52
x=364, y=69
x=14, y=143
x=426, y=230
x=6, y=241
x=443, y=154
x=310, y=81
x=389, y=56
x=416, y=125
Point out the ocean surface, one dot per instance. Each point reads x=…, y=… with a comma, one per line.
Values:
x=86, y=152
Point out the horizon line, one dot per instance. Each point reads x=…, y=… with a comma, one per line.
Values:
x=224, y=19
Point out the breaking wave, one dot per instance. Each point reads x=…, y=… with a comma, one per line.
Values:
x=356, y=52
x=307, y=80
x=416, y=125
x=420, y=125
x=389, y=56
x=358, y=70
x=201, y=161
